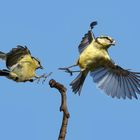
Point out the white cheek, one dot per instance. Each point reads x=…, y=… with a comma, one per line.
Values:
x=102, y=41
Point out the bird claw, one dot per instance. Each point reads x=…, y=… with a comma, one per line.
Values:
x=38, y=79
x=44, y=76
x=67, y=70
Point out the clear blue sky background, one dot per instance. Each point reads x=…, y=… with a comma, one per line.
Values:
x=52, y=30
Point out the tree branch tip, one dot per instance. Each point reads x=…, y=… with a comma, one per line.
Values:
x=52, y=83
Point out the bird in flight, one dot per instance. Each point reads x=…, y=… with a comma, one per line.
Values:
x=21, y=65
x=94, y=59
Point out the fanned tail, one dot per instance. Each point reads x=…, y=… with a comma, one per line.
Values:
x=4, y=72
x=78, y=82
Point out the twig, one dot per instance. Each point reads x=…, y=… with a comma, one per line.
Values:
x=63, y=107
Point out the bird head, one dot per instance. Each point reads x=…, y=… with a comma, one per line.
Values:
x=105, y=41
x=37, y=63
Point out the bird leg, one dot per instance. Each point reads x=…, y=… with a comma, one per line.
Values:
x=44, y=76
x=67, y=69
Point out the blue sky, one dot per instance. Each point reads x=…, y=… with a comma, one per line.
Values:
x=52, y=31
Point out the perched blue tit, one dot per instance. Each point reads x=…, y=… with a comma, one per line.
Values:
x=21, y=65
x=94, y=59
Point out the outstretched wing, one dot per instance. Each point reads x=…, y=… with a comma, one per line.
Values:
x=15, y=55
x=86, y=40
x=117, y=82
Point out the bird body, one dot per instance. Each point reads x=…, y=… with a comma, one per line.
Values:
x=25, y=69
x=92, y=57
x=21, y=65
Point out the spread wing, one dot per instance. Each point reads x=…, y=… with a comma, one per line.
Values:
x=117, y=82
x=86, y=40
x=15, y=55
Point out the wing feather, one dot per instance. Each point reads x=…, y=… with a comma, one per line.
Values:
x=86, y=40
x=117, y=82
x=15, y=55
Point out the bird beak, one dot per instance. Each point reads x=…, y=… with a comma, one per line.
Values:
x=113, y=43
x=41, y=67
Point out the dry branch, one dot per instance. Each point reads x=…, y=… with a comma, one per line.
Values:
x=63, y=107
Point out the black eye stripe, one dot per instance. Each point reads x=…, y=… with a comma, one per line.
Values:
x=36, y=59
x=106, y=38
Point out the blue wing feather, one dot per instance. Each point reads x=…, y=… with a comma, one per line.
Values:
x=117, y=82
x=126, y=89
x=131, y=87
x=86, y=40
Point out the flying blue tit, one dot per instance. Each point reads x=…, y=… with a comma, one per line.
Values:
x=21, y=65
x=94, y=59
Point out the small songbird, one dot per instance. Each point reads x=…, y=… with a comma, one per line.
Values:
x=21, y=65
x=111, y=78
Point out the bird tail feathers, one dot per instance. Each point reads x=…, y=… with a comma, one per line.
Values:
x=78, y=82
x=4, y=72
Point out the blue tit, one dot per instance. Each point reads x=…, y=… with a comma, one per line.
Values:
x=21, y=65
x=94, y=59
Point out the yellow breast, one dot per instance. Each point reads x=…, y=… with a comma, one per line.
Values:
x=92, y=57
x=26, y=69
